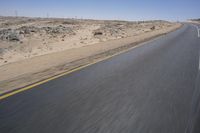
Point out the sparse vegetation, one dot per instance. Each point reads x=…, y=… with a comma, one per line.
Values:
x=29, y=37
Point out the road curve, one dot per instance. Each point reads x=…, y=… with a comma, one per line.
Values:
x=150, y=89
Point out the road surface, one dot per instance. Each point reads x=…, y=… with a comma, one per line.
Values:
x=153, y=88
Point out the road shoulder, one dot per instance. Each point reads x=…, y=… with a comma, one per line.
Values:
x=37, y=69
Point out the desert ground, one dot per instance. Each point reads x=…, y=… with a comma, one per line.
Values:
x=32, y=49
x=195, y=21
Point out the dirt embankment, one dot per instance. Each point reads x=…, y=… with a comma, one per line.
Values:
x=34, y=49
x=194, y=21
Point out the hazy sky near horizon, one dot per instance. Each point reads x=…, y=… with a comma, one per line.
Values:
x=104, y=9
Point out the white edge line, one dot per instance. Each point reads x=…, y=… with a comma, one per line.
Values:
x=199, y=63
x=198, y=30
x=199, y=60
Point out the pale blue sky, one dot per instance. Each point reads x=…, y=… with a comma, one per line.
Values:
x=104, y=9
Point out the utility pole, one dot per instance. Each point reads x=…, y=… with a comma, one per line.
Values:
x=47, y=15
x=16, y=13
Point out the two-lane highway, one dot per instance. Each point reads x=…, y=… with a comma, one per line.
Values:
x=150, y=89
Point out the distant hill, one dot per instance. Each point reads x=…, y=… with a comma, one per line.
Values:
x=195, y=19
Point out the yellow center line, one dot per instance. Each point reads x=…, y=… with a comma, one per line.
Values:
x=66, y=73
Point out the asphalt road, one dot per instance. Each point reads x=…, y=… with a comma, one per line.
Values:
x=151, y=89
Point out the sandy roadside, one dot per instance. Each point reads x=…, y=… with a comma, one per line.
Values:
x=25, y=72
x=194, y=22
